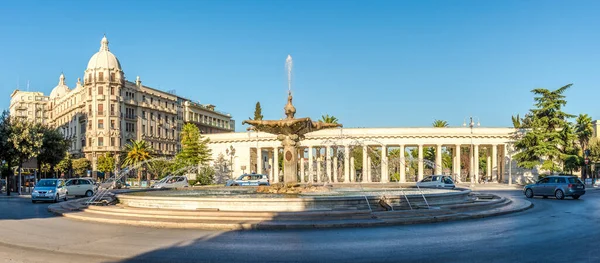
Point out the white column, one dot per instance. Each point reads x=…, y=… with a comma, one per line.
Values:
x=476, y=162
x=420, y=172
x=438, y=159
x=488, y=164
x=276, y=165
x=328, y=163
x=259, y=164
x=402, y=165
x=495, y=163
x=369, y=169
x=346, y=164
x=506, y=149
x=310, y=165
x=352, y=170
x=302, y=167
x=319, y=161
x=471, y=166
x=335, y=170
x=271, y=172
x=365, y=166
x=457, y=160
x=384, y=164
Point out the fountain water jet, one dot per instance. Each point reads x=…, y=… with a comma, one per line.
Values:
x=290, y=131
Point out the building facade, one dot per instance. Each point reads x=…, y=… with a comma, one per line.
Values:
x=105, y=111
x=326, y=155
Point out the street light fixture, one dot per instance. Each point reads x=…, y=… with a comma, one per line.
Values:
x=474, y=161
x=231, y=153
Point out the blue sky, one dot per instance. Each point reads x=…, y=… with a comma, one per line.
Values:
x=369, y=63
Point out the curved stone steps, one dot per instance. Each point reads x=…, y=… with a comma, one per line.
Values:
x=241, y=220
x=228, y=216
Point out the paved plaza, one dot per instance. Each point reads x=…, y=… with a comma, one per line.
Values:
x=29, y=233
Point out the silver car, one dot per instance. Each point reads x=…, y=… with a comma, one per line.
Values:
x=437, y=181
x=557, y=186
x=249, y=180
x=49, y=190
x=172, y=182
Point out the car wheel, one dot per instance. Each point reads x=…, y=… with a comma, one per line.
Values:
x=66, y=198
x=559, y=194
x=56, y=198
x=235, y=185
x=529, y=193
x=89, y=193
x=576, y=196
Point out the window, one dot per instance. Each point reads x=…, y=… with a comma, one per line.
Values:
x=129, y=127
x=112, y=77
x=89, y=80
x=543, y=181
x=90, y=92
x=112, y=141
x=100, y=76
x=144, y=128
x=112, y=89
x=100, y=91
x=112, y=109
x=100, y=124
x=100, y=141
x=112, y=125
x=100, y=109
x=90, y=144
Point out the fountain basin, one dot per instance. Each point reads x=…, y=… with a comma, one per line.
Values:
x=246, y=199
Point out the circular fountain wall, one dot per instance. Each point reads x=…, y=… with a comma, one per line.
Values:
x=339, y=199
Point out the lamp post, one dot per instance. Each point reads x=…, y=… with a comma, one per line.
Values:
x=231, y=153
x=472, y=153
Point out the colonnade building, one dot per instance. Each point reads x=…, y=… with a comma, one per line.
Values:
x=384, y=153
x=105, y=111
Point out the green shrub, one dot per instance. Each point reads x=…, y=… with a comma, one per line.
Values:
x=192, y=182
x=205, y=176
x=395, y=177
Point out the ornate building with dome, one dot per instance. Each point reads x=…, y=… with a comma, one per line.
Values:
x=106, y=111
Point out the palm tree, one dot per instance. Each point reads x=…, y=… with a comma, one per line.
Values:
x=516, y=120
x=440, y=124
x=137, y=152
x=329, y=119
x=584, y=131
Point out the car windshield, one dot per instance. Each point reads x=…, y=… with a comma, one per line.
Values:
x=46, y=183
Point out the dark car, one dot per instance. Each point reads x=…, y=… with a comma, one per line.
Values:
x=557, y=186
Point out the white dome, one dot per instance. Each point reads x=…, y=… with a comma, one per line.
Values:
x=61, y=89
x=103, y=58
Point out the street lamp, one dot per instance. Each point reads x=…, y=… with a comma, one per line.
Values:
x=472, y=153
x=231, y=153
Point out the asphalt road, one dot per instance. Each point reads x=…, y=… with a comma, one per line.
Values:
x=552, y=231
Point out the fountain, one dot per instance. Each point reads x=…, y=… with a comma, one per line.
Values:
x=290, y=131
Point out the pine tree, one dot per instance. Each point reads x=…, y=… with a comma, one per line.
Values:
x=539, y=137
x=194, y=150
x=258, y=112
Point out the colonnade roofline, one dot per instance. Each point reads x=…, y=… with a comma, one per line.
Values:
x=374, y=133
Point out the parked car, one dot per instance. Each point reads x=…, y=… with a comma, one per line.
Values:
x=557, y=186
x=111, y=184
x=249, y=180
x=49, y=190
x=437, y=181
x=81, y=187
x=172, y=182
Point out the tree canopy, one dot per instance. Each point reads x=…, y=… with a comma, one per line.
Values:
x=544, y=134
x=440, y=124
x=258, y=112
x=329, y=119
